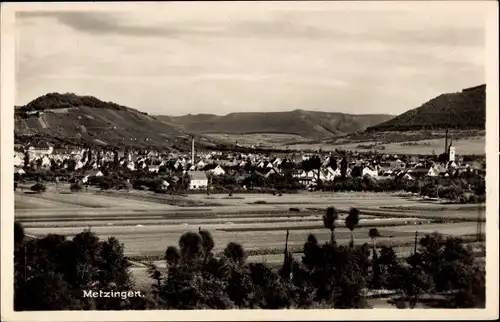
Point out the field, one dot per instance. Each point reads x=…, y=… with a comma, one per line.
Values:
x=147, y=224
x=259, y=139
x=469, y=145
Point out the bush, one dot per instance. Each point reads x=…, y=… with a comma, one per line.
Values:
x=260, y=202
x=295, y=209
x=75, y=187
x=105, y=185
x=38, y=187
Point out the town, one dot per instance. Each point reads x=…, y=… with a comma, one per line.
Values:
x=220, y=171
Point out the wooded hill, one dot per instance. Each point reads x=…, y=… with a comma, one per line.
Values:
x=462, y=110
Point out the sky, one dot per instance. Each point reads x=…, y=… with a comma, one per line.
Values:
x=189, y=58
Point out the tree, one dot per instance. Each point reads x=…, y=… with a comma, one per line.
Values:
x=374, y=234
x=105, y=185
x=316, y=164
x=38, y=187
x=207, y=242
x=155, y=274
x=343, y=167
x=312, y=253
x=329, y=220
x=333, y=163
x=286, y=269
x=351, y=222
x=235, y=252
x=334, y=285
x=71, y=165
x=76, y=187
x=27, y=160
x=356, y=172
x=116, y=159
x=390, y=268
x=471, y=292
x=172, y=256
x=48, y=271
x=451, y=268
x=18, y=233
x=191, y=246
x=414, y=283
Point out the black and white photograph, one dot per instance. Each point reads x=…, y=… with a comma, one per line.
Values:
x=273, y=156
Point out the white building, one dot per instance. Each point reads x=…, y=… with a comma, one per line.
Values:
x=452, y=153
x=91, y=174
x=154, y=168
x=35, y=153
x=370, y=172
x=218, y=171
x=18, y=159
x=46, y=162
x=198, y=180
x=79, y=164
x=131, y=166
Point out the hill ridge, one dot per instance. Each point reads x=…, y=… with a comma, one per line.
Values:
x=308, y=124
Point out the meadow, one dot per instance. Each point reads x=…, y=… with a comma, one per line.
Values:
x=148, y=226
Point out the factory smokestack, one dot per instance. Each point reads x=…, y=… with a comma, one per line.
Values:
x=192, y=151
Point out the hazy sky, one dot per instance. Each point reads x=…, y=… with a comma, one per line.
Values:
x=219, y=58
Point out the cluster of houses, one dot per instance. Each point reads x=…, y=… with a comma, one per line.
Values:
x=206, y=164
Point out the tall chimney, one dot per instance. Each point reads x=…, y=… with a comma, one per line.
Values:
x=446, y=143
x=192, y=151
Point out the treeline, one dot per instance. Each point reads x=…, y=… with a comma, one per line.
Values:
x=465, y=188
x=67, y=100
x=52, y=272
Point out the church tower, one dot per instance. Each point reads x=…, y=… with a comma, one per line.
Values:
x=451, y=152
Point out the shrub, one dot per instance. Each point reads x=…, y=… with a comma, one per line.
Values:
x=260, y=202
x=75, y=187
x=105, y=185
x=38, y=187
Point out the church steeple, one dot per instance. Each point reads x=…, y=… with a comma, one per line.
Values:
x=446, y=142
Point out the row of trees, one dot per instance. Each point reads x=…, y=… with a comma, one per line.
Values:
x=51, y=272
x=466, y=189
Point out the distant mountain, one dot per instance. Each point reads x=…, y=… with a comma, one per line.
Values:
x=307, y=124
x=462, y=110
x=87, y=119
